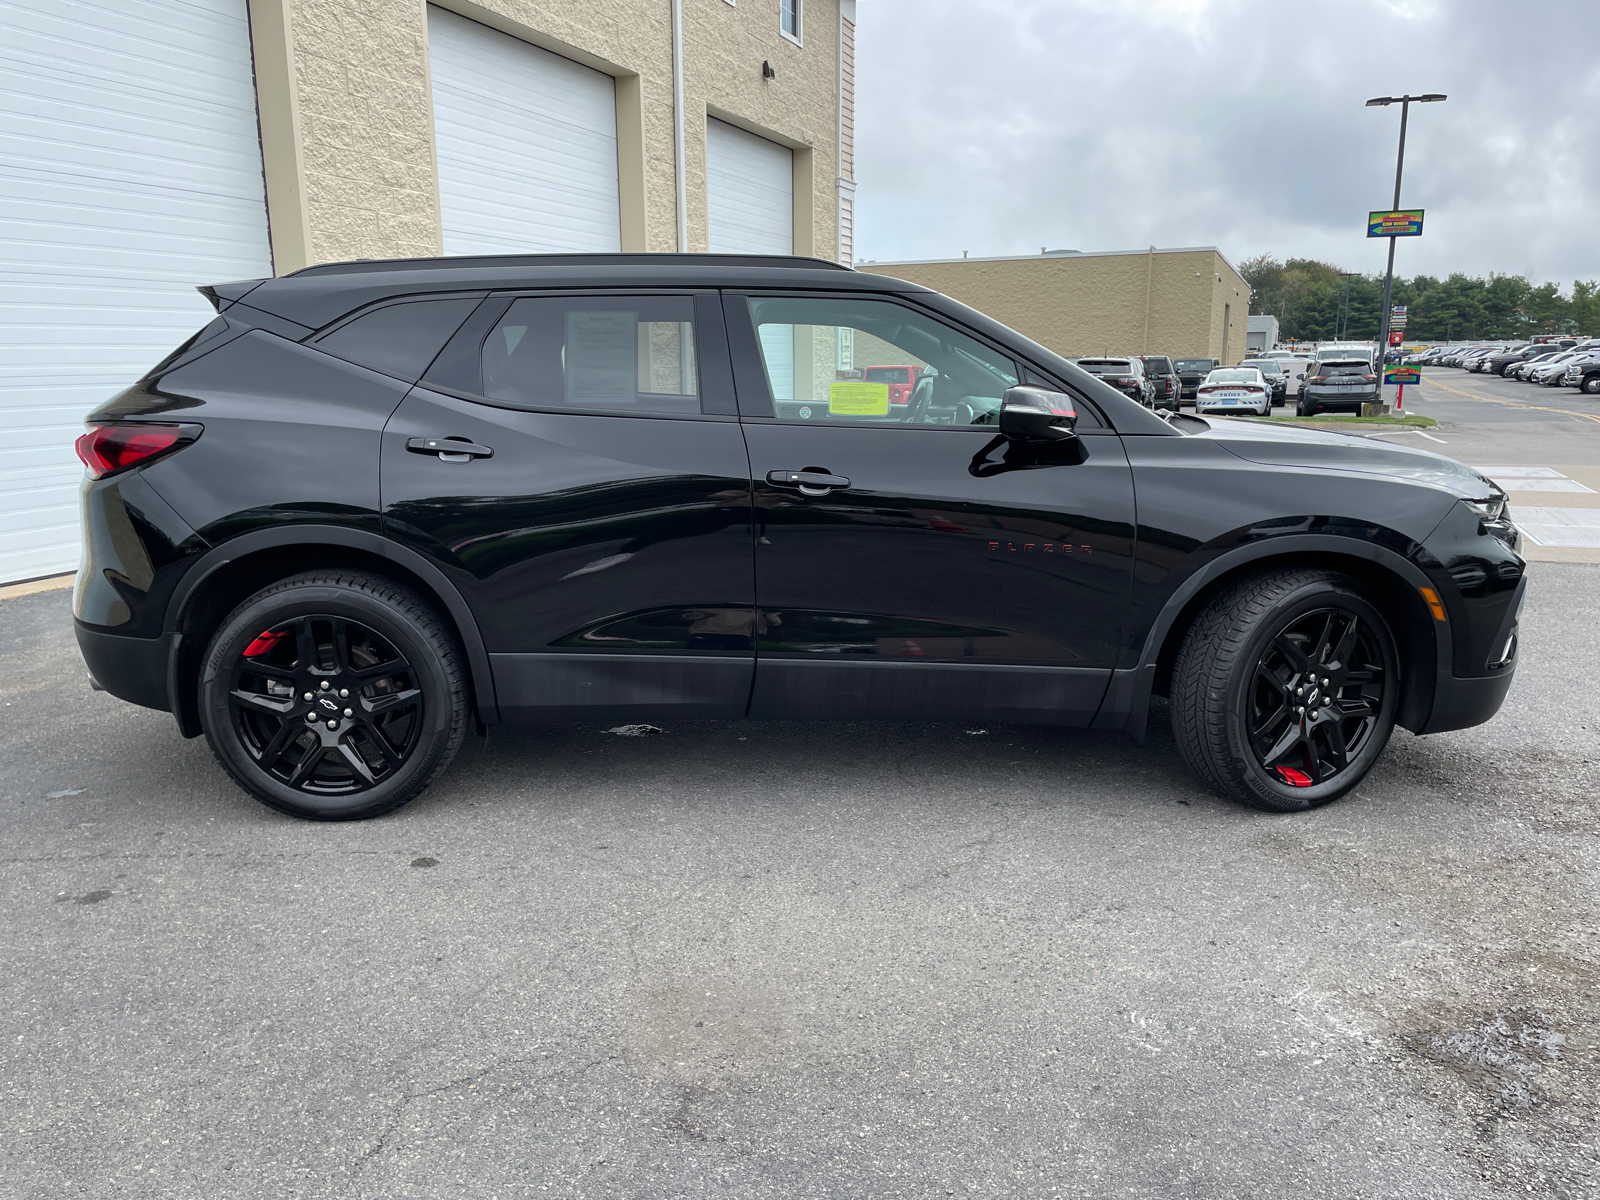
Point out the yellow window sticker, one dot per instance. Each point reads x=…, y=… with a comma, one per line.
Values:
x=855, y=399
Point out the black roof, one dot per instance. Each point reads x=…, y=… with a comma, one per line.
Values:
x=317, y=295
x=487, y=261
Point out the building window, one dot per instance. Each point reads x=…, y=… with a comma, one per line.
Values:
x=789, y=19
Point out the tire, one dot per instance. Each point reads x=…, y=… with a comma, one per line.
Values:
x=386, y=687
x=1590, y=386
x=1304, y=408
x=1256, y=642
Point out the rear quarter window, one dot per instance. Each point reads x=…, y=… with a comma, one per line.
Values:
x=399, y=339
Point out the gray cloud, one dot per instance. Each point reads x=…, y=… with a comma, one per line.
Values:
x=1003, y=126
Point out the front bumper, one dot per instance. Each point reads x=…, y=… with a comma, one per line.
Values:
x=1463, y=703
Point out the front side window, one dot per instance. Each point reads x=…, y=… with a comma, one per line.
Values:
x=824, y=361
x=620, y=355
x=789, y=18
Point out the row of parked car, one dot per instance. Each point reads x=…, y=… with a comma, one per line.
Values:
x=1559, y=362
x=1335, y=378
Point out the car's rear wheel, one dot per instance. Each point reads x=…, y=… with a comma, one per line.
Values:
x=1305, y=408
x=1283, y=693
x=333, y=695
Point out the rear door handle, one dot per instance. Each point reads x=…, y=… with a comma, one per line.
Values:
x=810, y=481
x=449, y=449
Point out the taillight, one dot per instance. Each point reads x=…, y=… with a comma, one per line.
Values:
x=1250, y=387
x=107, y=449
x=1370, y=378
x=1319, y=379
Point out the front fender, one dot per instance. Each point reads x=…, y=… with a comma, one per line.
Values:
x=1127, y=700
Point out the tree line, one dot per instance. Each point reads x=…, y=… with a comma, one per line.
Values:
x=1311, y=303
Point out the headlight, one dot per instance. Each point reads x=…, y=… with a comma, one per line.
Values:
x=1488, y=510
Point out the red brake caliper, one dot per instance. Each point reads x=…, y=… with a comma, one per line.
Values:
x=1288, y=774
x=264, y=642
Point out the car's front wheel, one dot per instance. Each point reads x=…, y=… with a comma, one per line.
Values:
x=1590, y=386
x=333, y=695
x=1283, y=694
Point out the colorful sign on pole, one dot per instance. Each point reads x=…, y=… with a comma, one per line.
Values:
x=1402, y=376
x=1406, y=223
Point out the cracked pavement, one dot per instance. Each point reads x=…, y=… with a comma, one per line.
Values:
x=744, y=960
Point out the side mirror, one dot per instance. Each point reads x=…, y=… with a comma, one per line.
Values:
x=1302, y=375
x=1032, y=414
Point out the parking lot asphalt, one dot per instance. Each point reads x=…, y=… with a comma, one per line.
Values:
x=746, y=960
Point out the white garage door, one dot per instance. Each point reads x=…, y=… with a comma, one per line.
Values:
x=526, y=142
x=749, y=192
x=130, y=172
x=750, y=210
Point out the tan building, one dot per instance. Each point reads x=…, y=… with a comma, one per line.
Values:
x=1187, y=303
x=393, y=128
x=172, y=143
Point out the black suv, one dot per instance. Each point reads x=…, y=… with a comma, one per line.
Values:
x=1167, y=388
x=1192, y=373
x=374, y=506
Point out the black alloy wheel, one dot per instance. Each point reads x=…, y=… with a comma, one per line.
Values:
x=1284, y=692
x=333, y=695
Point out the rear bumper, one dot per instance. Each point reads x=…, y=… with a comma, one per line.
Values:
x=1353, y=399
x=131, y=669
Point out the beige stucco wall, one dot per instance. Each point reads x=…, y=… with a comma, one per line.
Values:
x=1166, y=302
x=347, y=113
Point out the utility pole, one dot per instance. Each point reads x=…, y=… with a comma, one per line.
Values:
x=1405, y=103
x=1341, y=326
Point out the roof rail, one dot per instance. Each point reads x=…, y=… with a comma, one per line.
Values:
x=488, y=261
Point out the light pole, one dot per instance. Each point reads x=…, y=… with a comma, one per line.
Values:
x=1405, y=103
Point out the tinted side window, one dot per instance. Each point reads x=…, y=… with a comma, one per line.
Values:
x=399, y=339
x=598, y=354
x=817, y=353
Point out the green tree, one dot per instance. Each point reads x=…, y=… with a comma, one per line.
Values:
x=1306, y=295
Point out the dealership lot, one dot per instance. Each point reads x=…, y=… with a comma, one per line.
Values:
x=779, y=960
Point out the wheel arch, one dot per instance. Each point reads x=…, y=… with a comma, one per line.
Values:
x=1394, y=582
x=225, y=576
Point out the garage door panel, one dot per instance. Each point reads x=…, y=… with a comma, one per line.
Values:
x=749, y=192
x=130, y=173
x=526, y=143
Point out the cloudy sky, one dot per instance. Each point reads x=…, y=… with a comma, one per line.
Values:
x=1000, y=126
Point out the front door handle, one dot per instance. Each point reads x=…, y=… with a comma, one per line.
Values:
x=812, y=481
x=451, y=450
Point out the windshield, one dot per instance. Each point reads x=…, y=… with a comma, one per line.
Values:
x=1196, y=364
x=1344, y=368
x=1233, y=375
x=1159, y=365
x=1265, y=366
x=1106, y=366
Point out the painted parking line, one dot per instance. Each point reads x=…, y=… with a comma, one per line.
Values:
x=1577, y=527
x=1565, y=412
x=1534, y=479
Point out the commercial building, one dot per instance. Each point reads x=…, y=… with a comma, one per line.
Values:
x=1262, y=333
x=1188, y=303
x=150, y=146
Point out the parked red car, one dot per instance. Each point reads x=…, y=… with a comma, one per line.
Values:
x=900, y=380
